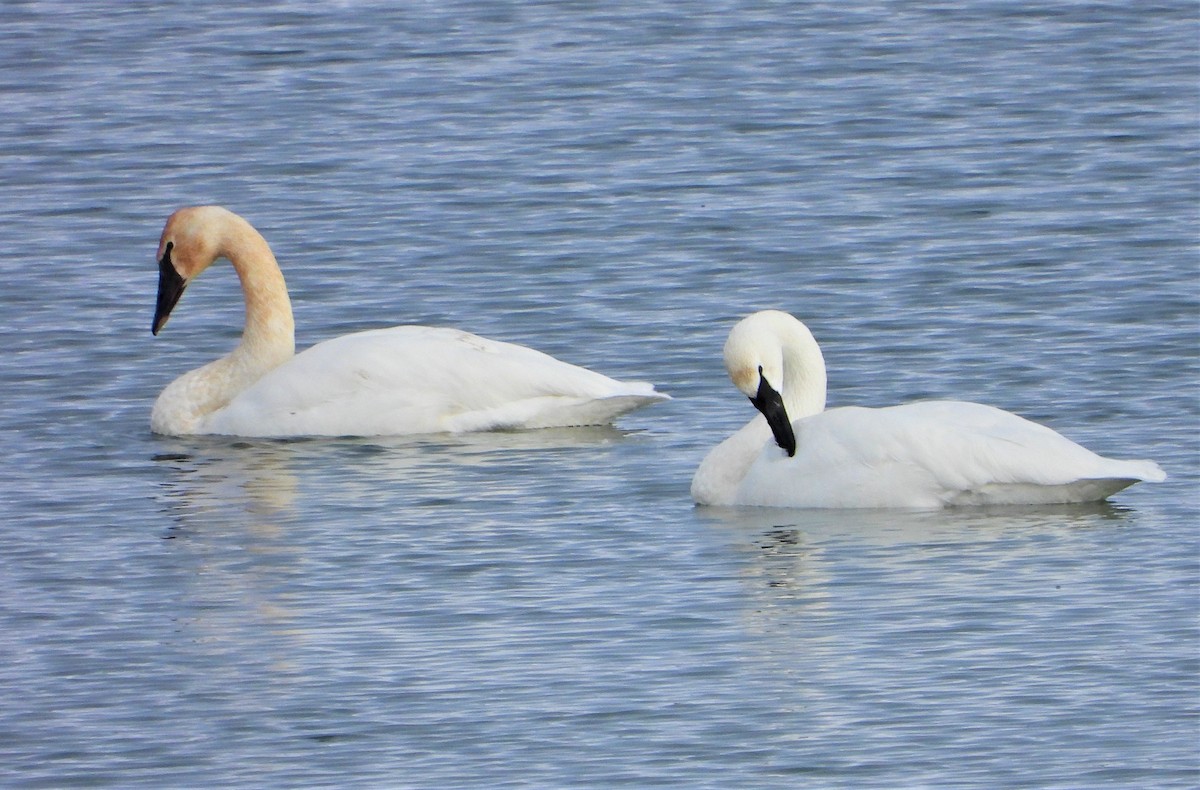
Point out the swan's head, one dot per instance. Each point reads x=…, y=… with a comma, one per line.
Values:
x=754, y=357
x=191, y=240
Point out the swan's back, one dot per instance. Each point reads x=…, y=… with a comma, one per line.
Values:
x=932, y=454
x=413, y=379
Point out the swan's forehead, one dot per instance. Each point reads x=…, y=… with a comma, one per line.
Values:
x=752, y=354
x=742, y=360
x=186, y=232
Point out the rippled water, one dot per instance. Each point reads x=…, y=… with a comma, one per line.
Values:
x=989, y=201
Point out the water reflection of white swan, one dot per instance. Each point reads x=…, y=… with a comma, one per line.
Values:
x=790, y=555
x=920, y=455
x=401, y=380
x=824, y=593
x=246, y=518
x=230, y=510
x=899, y=527
x=249, y=480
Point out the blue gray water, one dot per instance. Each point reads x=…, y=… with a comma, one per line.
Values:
x=983, y=200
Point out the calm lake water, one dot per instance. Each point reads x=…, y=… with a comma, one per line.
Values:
x=992, y=201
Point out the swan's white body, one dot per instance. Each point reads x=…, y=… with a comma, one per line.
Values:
x=401, y=380
x=928, y=454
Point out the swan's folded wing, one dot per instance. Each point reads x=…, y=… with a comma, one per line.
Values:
x=930, y=454
x=424, y=380
x=969, y=444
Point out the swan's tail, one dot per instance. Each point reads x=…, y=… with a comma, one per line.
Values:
x=1144, y=471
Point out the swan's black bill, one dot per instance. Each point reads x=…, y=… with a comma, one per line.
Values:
x=770, y=403
x=170, y=288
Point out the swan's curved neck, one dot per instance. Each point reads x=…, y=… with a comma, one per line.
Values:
x=270, y=332
x=268, y=338
x=804, y=382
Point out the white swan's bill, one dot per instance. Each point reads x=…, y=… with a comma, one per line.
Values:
x=397, y=381
x=929, y=454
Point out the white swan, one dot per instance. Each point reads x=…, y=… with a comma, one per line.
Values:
x=402, y=380
x=928, y=454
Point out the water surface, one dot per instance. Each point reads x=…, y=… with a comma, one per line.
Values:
x=984, y=201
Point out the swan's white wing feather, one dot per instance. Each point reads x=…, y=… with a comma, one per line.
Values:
x=422, y=380
x=931, y=454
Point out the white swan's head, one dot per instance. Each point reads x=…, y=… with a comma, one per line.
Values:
x=775, y=362
x=192, y=239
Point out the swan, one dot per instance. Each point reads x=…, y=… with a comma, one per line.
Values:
x=401, y=380
x=926, y=454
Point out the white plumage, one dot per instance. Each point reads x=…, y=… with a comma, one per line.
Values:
x=401, y=380
x=928, y=454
